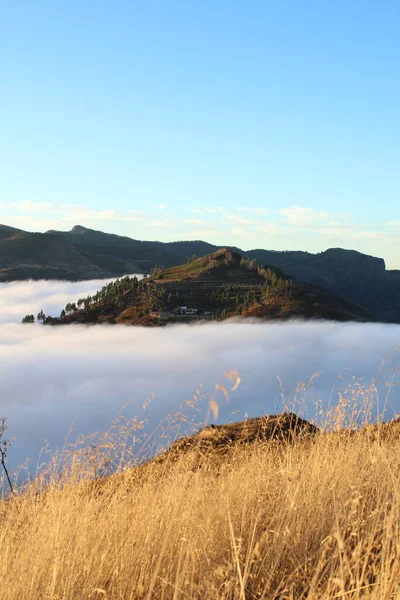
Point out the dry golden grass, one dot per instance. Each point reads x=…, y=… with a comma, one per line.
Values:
x=313, y=519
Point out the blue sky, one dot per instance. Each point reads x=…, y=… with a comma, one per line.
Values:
x=256, y=124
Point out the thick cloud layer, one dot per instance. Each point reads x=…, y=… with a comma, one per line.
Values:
x=52, y=377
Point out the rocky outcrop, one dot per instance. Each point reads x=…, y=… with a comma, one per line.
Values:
x=284, y=428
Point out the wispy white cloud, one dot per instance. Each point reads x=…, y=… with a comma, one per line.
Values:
x=197, y=221
x=163, y=223
x=270, y=228
x=239, y=219
x=105, y=215
x=214, y=210
x=72, y=212
x=253, y=211
x=28, y=206
x=307, y=217
x=207, y=233
x=394, y=225
x=241, y=232
x=330, y=226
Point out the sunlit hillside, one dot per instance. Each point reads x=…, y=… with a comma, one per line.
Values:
x=315, y=517
x=215, y=287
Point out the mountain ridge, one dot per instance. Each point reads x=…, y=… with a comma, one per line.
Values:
x=84, y=253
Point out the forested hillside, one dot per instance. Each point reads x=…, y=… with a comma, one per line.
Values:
x=215, y=287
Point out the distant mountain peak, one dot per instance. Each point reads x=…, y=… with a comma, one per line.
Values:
x=6, y=231
x=226, y=255
x=8, y=228
x=79, y=229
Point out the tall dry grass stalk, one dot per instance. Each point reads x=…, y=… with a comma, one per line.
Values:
x=317, y=519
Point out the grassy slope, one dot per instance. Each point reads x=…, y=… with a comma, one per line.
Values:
x=316, y=520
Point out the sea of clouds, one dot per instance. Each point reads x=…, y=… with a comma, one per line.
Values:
x=55, y=377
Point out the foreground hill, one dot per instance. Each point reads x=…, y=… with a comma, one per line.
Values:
x=87, y=254
x=218, y=286
x=306, y=518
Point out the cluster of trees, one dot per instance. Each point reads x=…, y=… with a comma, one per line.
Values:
x=31, y=318
x=275, y=280
x=235, y=296
x=70, y=307
x=155, y=296
x=116, y=293
x=119, y=292
x=239, y=298
x=156, y=271
x=272, y=275
x=113, y=293
x=28, y=319
x=277, y=284
x=152, y=296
